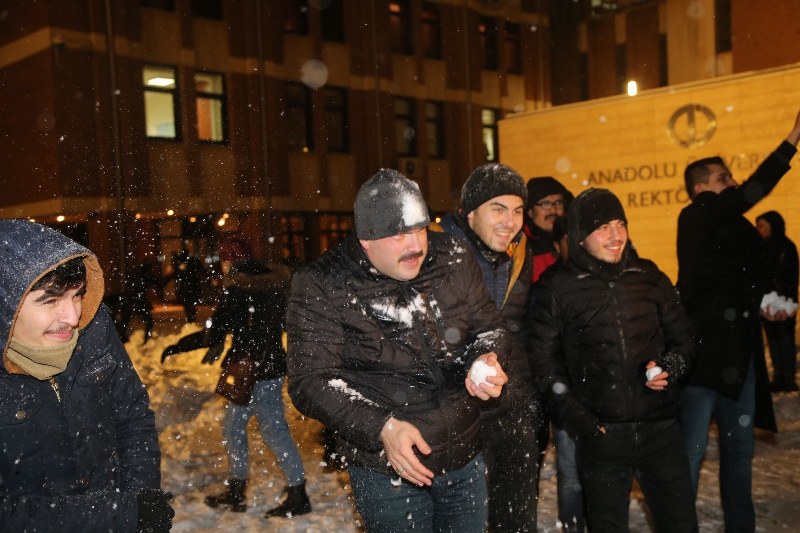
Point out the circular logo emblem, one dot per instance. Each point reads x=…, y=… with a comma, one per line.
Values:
x=692, y=125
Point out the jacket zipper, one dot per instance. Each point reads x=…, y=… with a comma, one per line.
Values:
x=56, y=389
x=620, y=332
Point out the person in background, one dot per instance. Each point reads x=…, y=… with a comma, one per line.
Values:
x=78, y=447
x=547, y=200
x=392, y=335
x=609, y=341
x=782, y=266
x=489, y=221
x=721, y=279
x=253, y=309
x=187, y=271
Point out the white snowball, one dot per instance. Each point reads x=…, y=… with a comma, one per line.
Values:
x=480, y=371
x=653, y=372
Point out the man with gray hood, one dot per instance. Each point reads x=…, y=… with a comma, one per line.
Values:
x=392, y=336
x=609, y=342
x=78, y=445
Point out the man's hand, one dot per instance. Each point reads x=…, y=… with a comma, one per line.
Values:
x=493, y=385
x=774, y=316
x=659, y=381
x=794, y=135
x=399, y=439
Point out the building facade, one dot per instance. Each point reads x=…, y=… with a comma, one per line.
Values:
x=148, y=127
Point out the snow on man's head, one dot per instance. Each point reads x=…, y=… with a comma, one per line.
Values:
x=389, y=204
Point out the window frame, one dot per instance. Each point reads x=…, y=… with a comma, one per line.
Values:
x=221, y=98
x=409, y=121
x=400, y=27
x=175, y=92
x=306, y=108
x=492, y=129
x=431, y=18
x=340, y=109
x=435, y=124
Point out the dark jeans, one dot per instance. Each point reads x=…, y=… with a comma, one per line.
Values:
x=570, y=492
x=782, y=350
x=736, y=446
x=511, y=452
x=650, y=452
x=455, y=503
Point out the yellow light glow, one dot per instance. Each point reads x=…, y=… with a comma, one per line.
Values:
x=60, y=218
x=192, y=219
x=137, y=216
x=633, y=88
x=170, y=212
x=221, y=222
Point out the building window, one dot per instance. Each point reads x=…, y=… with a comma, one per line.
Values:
x=299, y=133
x=336, y=124
x=491, y=143
x=160, y=102
x=513, y=53
x=332, y=229
x=210, y=9
x=722, y=26
x=332, y=21
x=400, y=26
x=405, y=126
x=210, y=88
x=431, y=31
x=434, y=129
x=487, y=39
x=621, y=52
x=166, y=5
x=296, y=19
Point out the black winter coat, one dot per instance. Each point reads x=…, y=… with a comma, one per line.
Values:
x=593, y=330
x=253, y=309
x=514, y=272
x=721, y=278
x=364, y=347
x=75, y=459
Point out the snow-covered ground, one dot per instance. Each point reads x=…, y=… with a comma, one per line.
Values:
x=188, y=417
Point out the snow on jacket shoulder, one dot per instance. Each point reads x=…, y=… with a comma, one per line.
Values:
x=364, y=347
x=73, y=457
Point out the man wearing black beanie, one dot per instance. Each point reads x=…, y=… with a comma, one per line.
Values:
x=547, y=200
x=489, y=221
x=609, y=340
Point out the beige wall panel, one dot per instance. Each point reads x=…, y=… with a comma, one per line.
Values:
x=624, y=144
x=438, y=196
x=216, y=168
x=211, y=45
x=161, y=34
x=168, y=167
x=304, y=169
x=515, y=99
x=435, y=79
x=342, y=176
x=337, y=58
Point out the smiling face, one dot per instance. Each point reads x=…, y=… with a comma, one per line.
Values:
x=400, y=256
x=45, y=321
x=607, y=242
x=497, y=221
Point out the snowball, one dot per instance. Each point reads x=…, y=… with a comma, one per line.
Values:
x=773, y=302
x=653, y=372
x=480, y=371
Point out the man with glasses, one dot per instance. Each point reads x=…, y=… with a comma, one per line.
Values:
x=548, y=199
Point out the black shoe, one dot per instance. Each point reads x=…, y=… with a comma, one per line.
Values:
x=232, y=497
x=295, y=503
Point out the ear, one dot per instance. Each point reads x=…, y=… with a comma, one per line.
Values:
x=698, y=188
x=364, y=244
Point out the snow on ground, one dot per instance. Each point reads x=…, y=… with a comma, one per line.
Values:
x=189, y=414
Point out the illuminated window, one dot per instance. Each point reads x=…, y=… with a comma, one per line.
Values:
x=400, y=27
x=487, y=39
x=210, y=89
x=491, y=143
x=160, y=102
x=431, y=31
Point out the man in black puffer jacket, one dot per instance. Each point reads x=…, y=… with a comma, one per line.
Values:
x=78, y=444
x=387, y=332
x=489, y=220
x=599, y=324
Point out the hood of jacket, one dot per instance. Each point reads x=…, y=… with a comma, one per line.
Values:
x=28, y=251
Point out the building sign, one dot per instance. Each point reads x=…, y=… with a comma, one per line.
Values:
x=638, y=147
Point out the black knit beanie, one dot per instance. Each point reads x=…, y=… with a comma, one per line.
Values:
x=544, y=186
x=489, y=181
x=593, y=208
x=389, y=204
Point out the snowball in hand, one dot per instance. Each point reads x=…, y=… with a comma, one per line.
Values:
x=773, y=302
x=480, y=371
x=653, y=372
